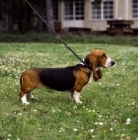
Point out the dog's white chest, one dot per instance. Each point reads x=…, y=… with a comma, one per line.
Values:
x=90, y=79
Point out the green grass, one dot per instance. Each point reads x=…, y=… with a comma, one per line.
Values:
x=107, y=104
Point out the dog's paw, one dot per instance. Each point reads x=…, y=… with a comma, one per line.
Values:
x=26, y=103
x=79, y=102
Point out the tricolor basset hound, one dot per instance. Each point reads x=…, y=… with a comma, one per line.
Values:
x=71, y=78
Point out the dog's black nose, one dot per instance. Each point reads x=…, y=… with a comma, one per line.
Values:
x=113, y=63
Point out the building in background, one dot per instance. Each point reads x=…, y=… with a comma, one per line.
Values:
x=84, y=13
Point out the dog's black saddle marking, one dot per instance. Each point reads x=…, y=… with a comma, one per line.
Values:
x=60, y=79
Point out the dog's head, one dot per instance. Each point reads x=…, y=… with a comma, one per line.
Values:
x=96, y=59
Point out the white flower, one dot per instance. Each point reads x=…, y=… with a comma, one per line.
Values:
x=75, y=129
x=93, y=110
x=9, y=135
x=91, y=130
x=82, y=128
x=100, y=123
x=53, y=111
x=61, y=129
x=128, y=121
x=19, y=114
x=35, y=111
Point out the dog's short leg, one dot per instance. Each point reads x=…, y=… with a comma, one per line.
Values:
x=71, y=96
x=22, y=96
x=30, y=95
x=76, y=97
x=24, y=99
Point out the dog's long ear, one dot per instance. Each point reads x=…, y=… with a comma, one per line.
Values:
x=91, y=61
x=95, y=75
x=99, y=73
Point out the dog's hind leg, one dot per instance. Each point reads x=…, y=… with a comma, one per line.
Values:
x=23, y=98
x=27, y=83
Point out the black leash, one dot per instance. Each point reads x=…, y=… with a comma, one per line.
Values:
x=57, y=36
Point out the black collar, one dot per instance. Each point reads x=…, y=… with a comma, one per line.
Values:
x=85, y=64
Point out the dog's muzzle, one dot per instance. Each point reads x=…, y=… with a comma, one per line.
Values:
x=109, y=63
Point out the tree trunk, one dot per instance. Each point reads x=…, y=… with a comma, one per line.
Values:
x=10, y=16
x=40, y=22
x=49, y=14
x=28, y=26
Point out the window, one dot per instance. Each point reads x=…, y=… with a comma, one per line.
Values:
x=96, y=11
x=103, y=10
x=74, y=10
x=135, y=8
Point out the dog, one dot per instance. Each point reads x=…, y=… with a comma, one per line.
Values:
x=71, y=78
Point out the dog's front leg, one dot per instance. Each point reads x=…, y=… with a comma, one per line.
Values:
x=76, y=97
x=24, y=100
x=31, y=96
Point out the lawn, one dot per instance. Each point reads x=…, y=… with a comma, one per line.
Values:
x=110, y=106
